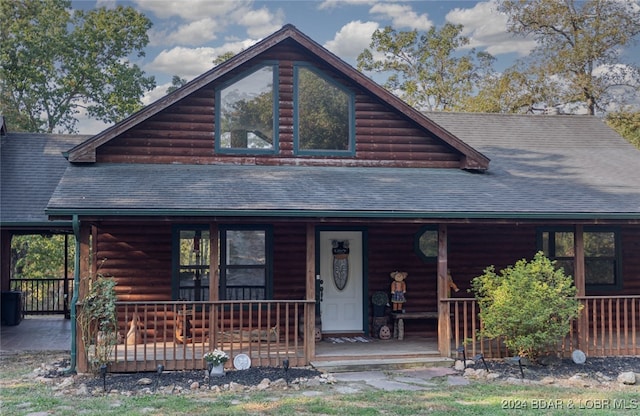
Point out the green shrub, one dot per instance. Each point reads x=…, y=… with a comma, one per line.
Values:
x=97, y=320
x=529, y=305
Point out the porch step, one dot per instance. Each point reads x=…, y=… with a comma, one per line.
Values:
x=366, y=364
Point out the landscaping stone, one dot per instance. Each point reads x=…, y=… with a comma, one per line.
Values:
x=628, y=377
x=595, y=372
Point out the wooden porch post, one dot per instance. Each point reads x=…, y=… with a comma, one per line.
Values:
x=580, y=282
x=444, y=320
x=85, y=253
x=5, y=259
x=310, y=308
x=214, y=261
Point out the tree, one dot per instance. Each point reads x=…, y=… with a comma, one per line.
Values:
x=529, y=305
x=176, y=82
x=39, y=256
x=580, y=42
x=54, y=63
x=427, y=70
x=518, y=89
x=627, y=124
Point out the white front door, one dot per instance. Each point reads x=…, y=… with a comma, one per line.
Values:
x=342, y=275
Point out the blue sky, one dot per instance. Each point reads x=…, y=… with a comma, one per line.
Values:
x=188, y=34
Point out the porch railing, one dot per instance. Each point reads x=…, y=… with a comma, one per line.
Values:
x=44, y=296
x=607, y=326
x=177, y=334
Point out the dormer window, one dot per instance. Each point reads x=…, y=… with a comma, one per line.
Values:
x=245, y=113
x=323, y=114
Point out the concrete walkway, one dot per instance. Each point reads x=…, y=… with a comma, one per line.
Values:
x=412, y=379
x=37, y=333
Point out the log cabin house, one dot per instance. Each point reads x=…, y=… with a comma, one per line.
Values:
x=260, y=207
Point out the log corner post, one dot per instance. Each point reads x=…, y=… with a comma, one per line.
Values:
x=580, y=283
x=444, y=312
x=310, y=306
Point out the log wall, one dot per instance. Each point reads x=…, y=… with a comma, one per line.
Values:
x=138, y=256
x=184, y=132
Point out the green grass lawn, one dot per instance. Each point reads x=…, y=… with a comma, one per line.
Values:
x=20, y=394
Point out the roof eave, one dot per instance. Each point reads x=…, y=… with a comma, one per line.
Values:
x=626, y=216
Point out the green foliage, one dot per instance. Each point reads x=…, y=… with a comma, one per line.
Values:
x=54, y=64
x=427, y=70
x=627, y=124
x=579, y=42
x=39, y=257
x=529, y=305
x=176, y=82
x=97, y=320
x=519, y=89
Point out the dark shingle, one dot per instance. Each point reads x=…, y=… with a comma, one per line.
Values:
x=32, y=165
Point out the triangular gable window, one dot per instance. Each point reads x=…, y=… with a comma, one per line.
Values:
x=245, y=109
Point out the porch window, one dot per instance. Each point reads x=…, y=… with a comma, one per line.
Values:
x=601, y=255
x=191, y=264
x=245, y=108
x=426, y=244
x=245, y=263
x=323, y=114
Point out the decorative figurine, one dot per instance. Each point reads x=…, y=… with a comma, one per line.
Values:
x=451, y=284
x=398, y=290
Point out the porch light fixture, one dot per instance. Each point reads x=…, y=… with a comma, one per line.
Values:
x=159, y=371
x=464, y=355
x=103, y=374
x=481, y=357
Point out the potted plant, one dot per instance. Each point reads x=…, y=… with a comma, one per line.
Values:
x=215, y=361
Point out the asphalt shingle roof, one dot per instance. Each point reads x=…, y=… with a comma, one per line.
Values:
x=543, y=166
x=31, y=166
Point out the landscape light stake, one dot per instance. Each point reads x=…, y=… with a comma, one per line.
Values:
x=520, y=365
x=159, y=371
x=103, y=374
x=464, y=355
x=481, y=357
x=285, y=365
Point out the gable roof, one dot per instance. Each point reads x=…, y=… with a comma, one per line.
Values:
x=543, y=167
x=31, y=167
x=86, y=152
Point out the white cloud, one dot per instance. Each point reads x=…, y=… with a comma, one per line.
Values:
x=330, y=4
x=191, y=62
x=193, y=33
x=155, y=94
x=260, y=22
x=486, y=28
x=193, y=9
x=185, y=62
x=200, y=21
x=402, y=16
x=352, y=39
